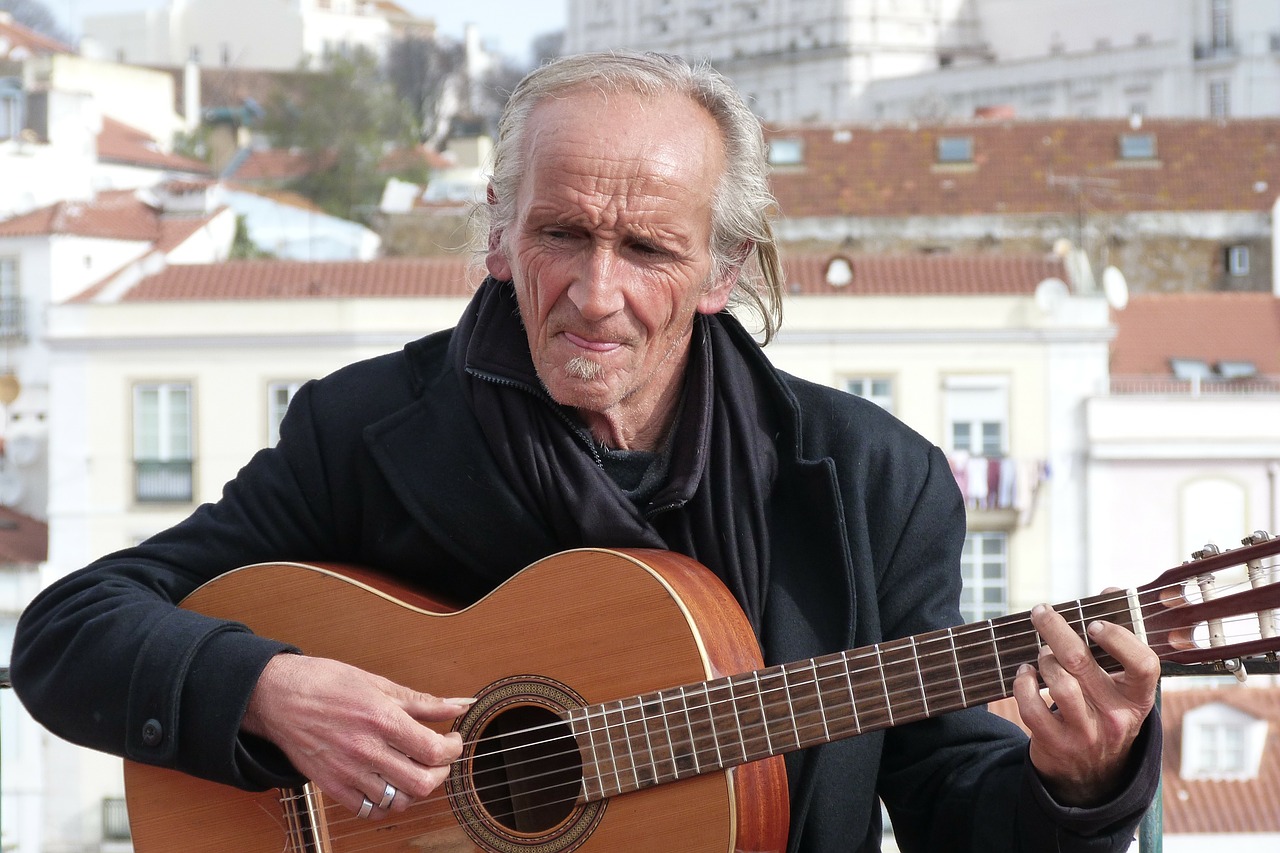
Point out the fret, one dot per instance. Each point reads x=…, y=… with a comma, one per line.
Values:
x=715, y=709
x=764, y=714
x=1017, y=642
x=610, y=733
x=749, y=712
x=592, y=775
x=869, y=690
x=693, y=739
x=938, y=673
x=924, y=694
x=805, y=703
x=906, y=693
x=680, y=742
x=639, y=745
x=884, y=684
x=791, y=711
x=955, y=662
x=737, y=721
x=822, y=708
x=853, y=702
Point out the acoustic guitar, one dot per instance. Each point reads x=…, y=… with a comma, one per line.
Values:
x=622, y=704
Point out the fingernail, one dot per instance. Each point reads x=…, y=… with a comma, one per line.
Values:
x=1094, y=628
x=1025, y=669
x=465, y=701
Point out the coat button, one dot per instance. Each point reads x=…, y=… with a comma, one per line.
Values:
x=152, y=732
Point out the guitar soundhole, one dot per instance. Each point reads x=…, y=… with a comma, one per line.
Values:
x=518, y=787
x=527, y=771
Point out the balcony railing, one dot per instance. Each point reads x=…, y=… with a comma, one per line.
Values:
x=163, y=482
x=1196, y=387
x=1210, y=50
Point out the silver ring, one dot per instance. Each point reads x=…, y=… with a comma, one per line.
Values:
x=388, y=796
x=366, y=808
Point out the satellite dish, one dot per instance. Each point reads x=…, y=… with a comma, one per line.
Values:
x=1115, y=287
x=839, y=271
x=1050, y=294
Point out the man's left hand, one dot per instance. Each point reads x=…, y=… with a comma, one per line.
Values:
x=1080, y=747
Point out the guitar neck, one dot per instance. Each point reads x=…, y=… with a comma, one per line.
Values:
x=672, y=734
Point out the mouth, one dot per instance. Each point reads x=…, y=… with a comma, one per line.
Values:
x=591, y=345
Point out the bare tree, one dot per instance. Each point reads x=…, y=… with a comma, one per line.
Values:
x=422, y=71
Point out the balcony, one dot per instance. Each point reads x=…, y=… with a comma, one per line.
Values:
x=167, y=481
x=1204, y=51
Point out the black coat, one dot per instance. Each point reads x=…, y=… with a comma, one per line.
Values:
x=381, y=464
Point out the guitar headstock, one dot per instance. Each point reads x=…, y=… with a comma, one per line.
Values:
x=1219, y=606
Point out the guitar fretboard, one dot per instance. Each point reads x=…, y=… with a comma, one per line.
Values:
x=672, y=734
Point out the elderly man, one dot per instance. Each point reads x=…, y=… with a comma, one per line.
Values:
x=597, y=392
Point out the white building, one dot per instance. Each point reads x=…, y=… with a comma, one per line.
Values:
x=214, y=33
x=924, y=60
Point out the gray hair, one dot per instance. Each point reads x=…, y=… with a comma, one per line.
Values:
x=743, y=203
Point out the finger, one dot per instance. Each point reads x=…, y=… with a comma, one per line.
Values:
x=1070, y=652
x=1031, y=705
x=424, y=706
x=1140, y=666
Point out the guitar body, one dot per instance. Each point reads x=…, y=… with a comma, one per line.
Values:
x=580, y=627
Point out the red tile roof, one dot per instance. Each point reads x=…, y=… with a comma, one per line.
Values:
x=114, y=214
x=1030, y=167
x=457, y=276
x=18, y=41
x=1199, y=806
x=23, y=539
x=1213, y=327
x=1205, y=806
x=120, y=143
x=247, y=280
x=923, y=274
x=279, y=165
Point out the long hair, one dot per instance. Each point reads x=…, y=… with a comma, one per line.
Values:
x=743, y=204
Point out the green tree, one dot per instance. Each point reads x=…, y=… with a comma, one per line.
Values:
x=346, y=120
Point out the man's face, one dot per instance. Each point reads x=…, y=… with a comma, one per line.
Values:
x=609, y=250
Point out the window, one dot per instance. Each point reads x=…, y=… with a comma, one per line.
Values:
x=11, y=108
x=955, y=149
x=977, y=414
x=786, y=152
x=877, y=390
x=1238, y=260
x=1137, y=146
x=984, y=568
x=1220, y=741
x=1219, y=99
x=279, y=396
x=11, y=320
x=162, y=445
x=1220, y=24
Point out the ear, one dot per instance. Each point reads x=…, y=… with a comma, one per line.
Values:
x=495, y=259
x=717, y=296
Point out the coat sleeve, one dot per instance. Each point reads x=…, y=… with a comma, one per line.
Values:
x=964, y=781
x=104, y=657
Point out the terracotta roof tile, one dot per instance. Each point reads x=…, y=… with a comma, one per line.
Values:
x=246, y=280
x=278, y=165
x=1029, y=167
x=18, y=41
x=120, y=143
x=1213, y=327
x=923, y=274
x=114, y=214
x=1201, y=806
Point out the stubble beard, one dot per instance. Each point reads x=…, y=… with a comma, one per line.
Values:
x=582, y=368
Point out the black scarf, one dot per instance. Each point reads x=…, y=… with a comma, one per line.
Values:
x=722, y=459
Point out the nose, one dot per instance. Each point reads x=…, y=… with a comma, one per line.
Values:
x=596, y=290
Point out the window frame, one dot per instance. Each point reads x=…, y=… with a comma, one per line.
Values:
x=165, y=473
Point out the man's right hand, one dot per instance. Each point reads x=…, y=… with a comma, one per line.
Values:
x=352, y=732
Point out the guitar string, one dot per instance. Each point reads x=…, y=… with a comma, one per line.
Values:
x=949, y=665
x=713, y=734
x=364, y=826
